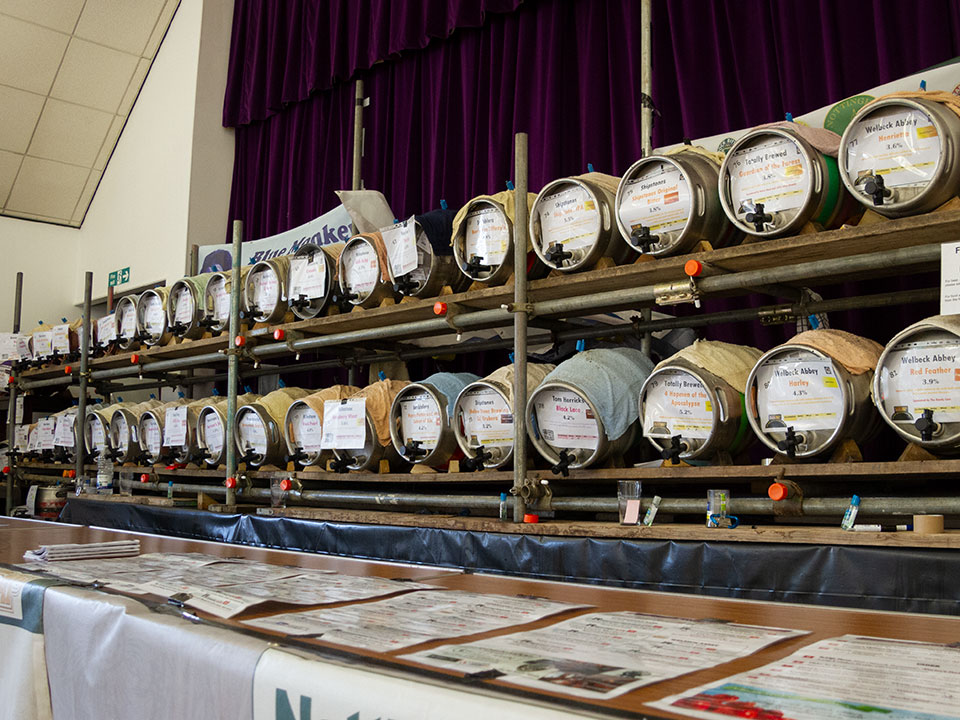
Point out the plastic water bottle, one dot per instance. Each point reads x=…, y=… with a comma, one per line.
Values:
x=104, y=475
x=503, y=507
x=850, y=516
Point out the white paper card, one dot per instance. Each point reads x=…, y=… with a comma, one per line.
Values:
x=221, y=298
x=175, y=426
x=107, y=329
x=361, y=269
x=266, y=290
x=61, y=339
x=487, y=418
x=183, y=306
x=657, y=198
x=308, y=276
x=570, y=218
x=128, y=320
x=676, y=403
x=22, y=441
x=154, y=318
x=922, y=376
x=950, y=278
x=14, y=347
x=770, y=172
x=152, y=437
x=487, y=236
x=344, y=424
x=96, y=435
x=420, y=419
x=565, y=420
x=63, y=433
x=42, y=343
x=900, y=145
x=802, y=395
x=307, y=428
x=213, y=433
x=401, y=242
x=253, y=435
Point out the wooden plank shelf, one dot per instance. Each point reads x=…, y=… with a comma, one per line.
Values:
x=932, y=228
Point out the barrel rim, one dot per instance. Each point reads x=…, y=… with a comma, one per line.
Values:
x=459, y=238
x=534, y=221
x=533, y=425
x=462, y=443
x=715, y=412
x=438, y=398
x=628, y=176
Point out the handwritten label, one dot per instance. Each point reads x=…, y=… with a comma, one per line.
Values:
x=152, y=437
x=570, y=218
x=61, y=339
x=420, y=419
x=918, y=376
x=213, y=433
x=96, y=433
x=253, y=435
x=487, y=418
x=175, y=426
x=772, y=172
x=217, y=288
x=128, y=320
x=486, y=236
x=107, y=329
x=344, y=424
x=361, y=269
x=804, y=395
x=565, y=420
x=401, y=242
x=266, y=290
x=154, y=318
x=676, y=403
x=900, y=145
x=42, y=344
x=183, y=305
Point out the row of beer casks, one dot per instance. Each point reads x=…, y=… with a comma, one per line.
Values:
x=898, y=156
x=802, y=399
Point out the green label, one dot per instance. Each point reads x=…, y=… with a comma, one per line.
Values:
x=840, y=115
x=112, y=281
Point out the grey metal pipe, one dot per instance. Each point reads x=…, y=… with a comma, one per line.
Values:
x=646, y=78
x=357, y=135
x=80, y=447
x=12, y=407
x=520, y=326
x=233, y=359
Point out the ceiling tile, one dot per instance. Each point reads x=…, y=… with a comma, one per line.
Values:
x=121, y=24
x=9, y=164
x=69, y=133
x=54, y=14
x=166, y=16
x=93, y=75
x=109, y=142
x=19, y=112
x=29, y=55
x=47, y=188
x=133, y=88
x=85, y=197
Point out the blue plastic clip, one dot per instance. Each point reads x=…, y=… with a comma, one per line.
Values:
x=63, y=320
x=789, y=117
x=152, y=396
x=814, y=322
x=923, y=85
x=443, y=204
x=589, y=167
x=281, y=383
x=396, y=222
x=119, y=399
x=510, y=357
x=246, y=389
x=216, y=392
x=581, y=345
x=180, y=394
x=382, y=375
x=509, y=187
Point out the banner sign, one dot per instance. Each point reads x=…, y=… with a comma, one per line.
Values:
x=332, y=228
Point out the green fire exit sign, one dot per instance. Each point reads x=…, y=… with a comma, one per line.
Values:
x=119, y=277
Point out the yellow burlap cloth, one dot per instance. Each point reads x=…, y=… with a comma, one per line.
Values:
x=731, y=363
x=379, y=398
x=857, y=354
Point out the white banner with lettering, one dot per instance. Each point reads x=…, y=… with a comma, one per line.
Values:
x=331, y=228
x=291, y=686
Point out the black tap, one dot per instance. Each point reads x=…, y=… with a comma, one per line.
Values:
x=412, y=449
x=248, y=457
x=178, y=329
x=475, y=266
x=874, y=186
x=60, y=454
x=113, y=454
x=297, y=457
x=563, y=467
x=343, y=300
x=98, y=350
x=476, y=463
x=300, y=302
x=926, y=425
x=198, y=455
x=556, y=254
x=641, y=238
x=672, y=453
x=757, y=217
x=404, y=285
x=207, y=321
x=790, y=442
x=341, y=464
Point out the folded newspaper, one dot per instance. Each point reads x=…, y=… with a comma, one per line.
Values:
x=83, y=551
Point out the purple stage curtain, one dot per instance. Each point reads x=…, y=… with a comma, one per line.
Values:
x=283, y=51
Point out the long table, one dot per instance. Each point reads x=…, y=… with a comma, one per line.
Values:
x=384, y=683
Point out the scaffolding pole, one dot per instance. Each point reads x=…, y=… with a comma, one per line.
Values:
x=12, y=407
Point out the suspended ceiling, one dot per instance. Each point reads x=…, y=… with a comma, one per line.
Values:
x=70, y=72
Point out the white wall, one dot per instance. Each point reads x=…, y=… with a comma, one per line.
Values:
x=165, y=187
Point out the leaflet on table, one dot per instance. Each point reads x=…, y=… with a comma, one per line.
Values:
x=802, y=395
x=401, y=242
x=603, y=655
x=308, y=276
x=344, y=424
x=676, y=403
x=322, y=588
x=769, y=172
x=565, y=420
x=569, y=218
x=922, y=376
x=229, y=573
x=414, y=618
x=851, y=677
x=222, y=603
x=175, y=426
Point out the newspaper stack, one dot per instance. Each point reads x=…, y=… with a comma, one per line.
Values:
x=83, y=551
